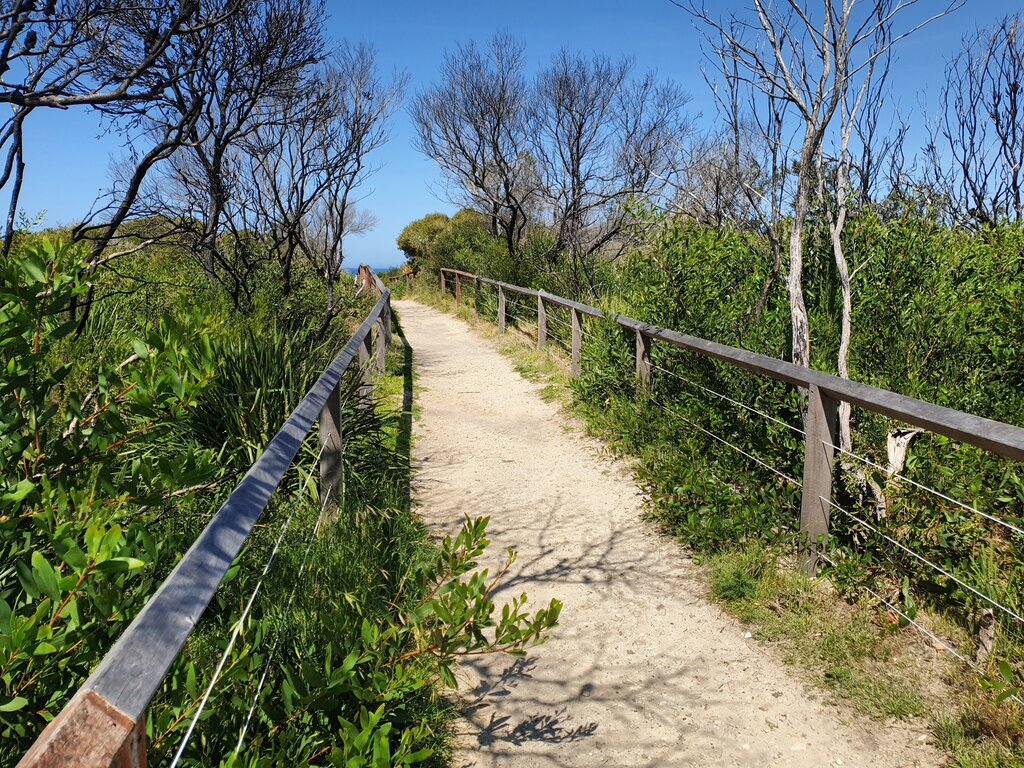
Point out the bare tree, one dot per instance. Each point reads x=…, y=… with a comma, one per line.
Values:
x=981, y=125
x=601, y=138
x=879, y=167
x=287, y=170
x=118, y=57
x=261, y=58
x=809, y=59
x=474, y=126
x=758, y=162
x=834, y=195
x=361, y=100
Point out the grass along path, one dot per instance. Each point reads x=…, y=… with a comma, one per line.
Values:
x=643, y=671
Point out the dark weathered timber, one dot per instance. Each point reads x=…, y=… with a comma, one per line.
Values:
x=458, y=272
x=510, y=287
x=501, y=309
x=542, y=323
x=819, y=464
x=367, y=276
x=103, y=726
x=330, y=446
x=577, y=341
x=1003, y=439
x=366, y=372
x=573, y=305
x=378, y=284
x=458, y=288
x=133, y=669
x=378, y=287
x=382, y=347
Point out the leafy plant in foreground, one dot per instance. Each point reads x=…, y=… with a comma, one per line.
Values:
x=77, y=471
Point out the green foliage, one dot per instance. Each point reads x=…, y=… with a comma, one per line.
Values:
x=261, y=377
x=737, y=578
x=706, y=283
x=416, y=239
x=77, y=467
x=378, y=622
x=935, y=316
x=464, y=242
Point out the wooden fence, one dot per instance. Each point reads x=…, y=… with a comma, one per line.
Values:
x=103, y=726
x=824, y=393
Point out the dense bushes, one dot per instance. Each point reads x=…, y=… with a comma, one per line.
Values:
x=703, y=282
x=460, y=242
x=79, y=463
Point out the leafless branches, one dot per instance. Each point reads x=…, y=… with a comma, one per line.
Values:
x=117, y=57
x=601, y=138
x=812, y=57
x=981, y=127
x=565, y=153
x=474, y=125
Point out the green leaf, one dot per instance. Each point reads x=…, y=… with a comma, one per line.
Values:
x=21, y=490
x=45, y=576
x=34, y=267
x=44, y=649
x=63, y=330
x=18, y=702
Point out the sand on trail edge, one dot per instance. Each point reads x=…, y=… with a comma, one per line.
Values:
x=643, y=671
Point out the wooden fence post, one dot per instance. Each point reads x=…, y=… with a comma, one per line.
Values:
x=330, y=456
x=444, y=283
x=386, y=318
x=819, y=463
x=366, y=387
x=458, y=289
x=577, y=339
x=501, y=309
x=476, y=294
x=643, y=358
x=382, y=344
x=91, y=733
x=542, y=323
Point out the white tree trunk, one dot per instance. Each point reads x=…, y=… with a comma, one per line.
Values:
x=794, y=280
x=846, y=322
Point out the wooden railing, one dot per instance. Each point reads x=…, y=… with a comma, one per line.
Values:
x=103, y=726
x=824, y=393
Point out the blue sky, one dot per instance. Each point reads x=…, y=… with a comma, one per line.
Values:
x=68, y=155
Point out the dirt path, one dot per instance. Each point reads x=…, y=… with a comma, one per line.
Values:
x=643, y=671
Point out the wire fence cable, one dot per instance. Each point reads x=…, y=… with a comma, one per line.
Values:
x=237, y=630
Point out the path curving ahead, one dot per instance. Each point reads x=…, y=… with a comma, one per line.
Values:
x=642, y=671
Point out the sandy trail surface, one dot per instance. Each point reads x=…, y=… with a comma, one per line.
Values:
x=643, y=671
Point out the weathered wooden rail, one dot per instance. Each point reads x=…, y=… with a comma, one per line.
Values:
x=103, y=726
x=824, y=393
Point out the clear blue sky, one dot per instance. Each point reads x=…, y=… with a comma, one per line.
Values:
x=68, y=157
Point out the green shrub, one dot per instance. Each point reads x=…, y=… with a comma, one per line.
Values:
x=79, y=465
